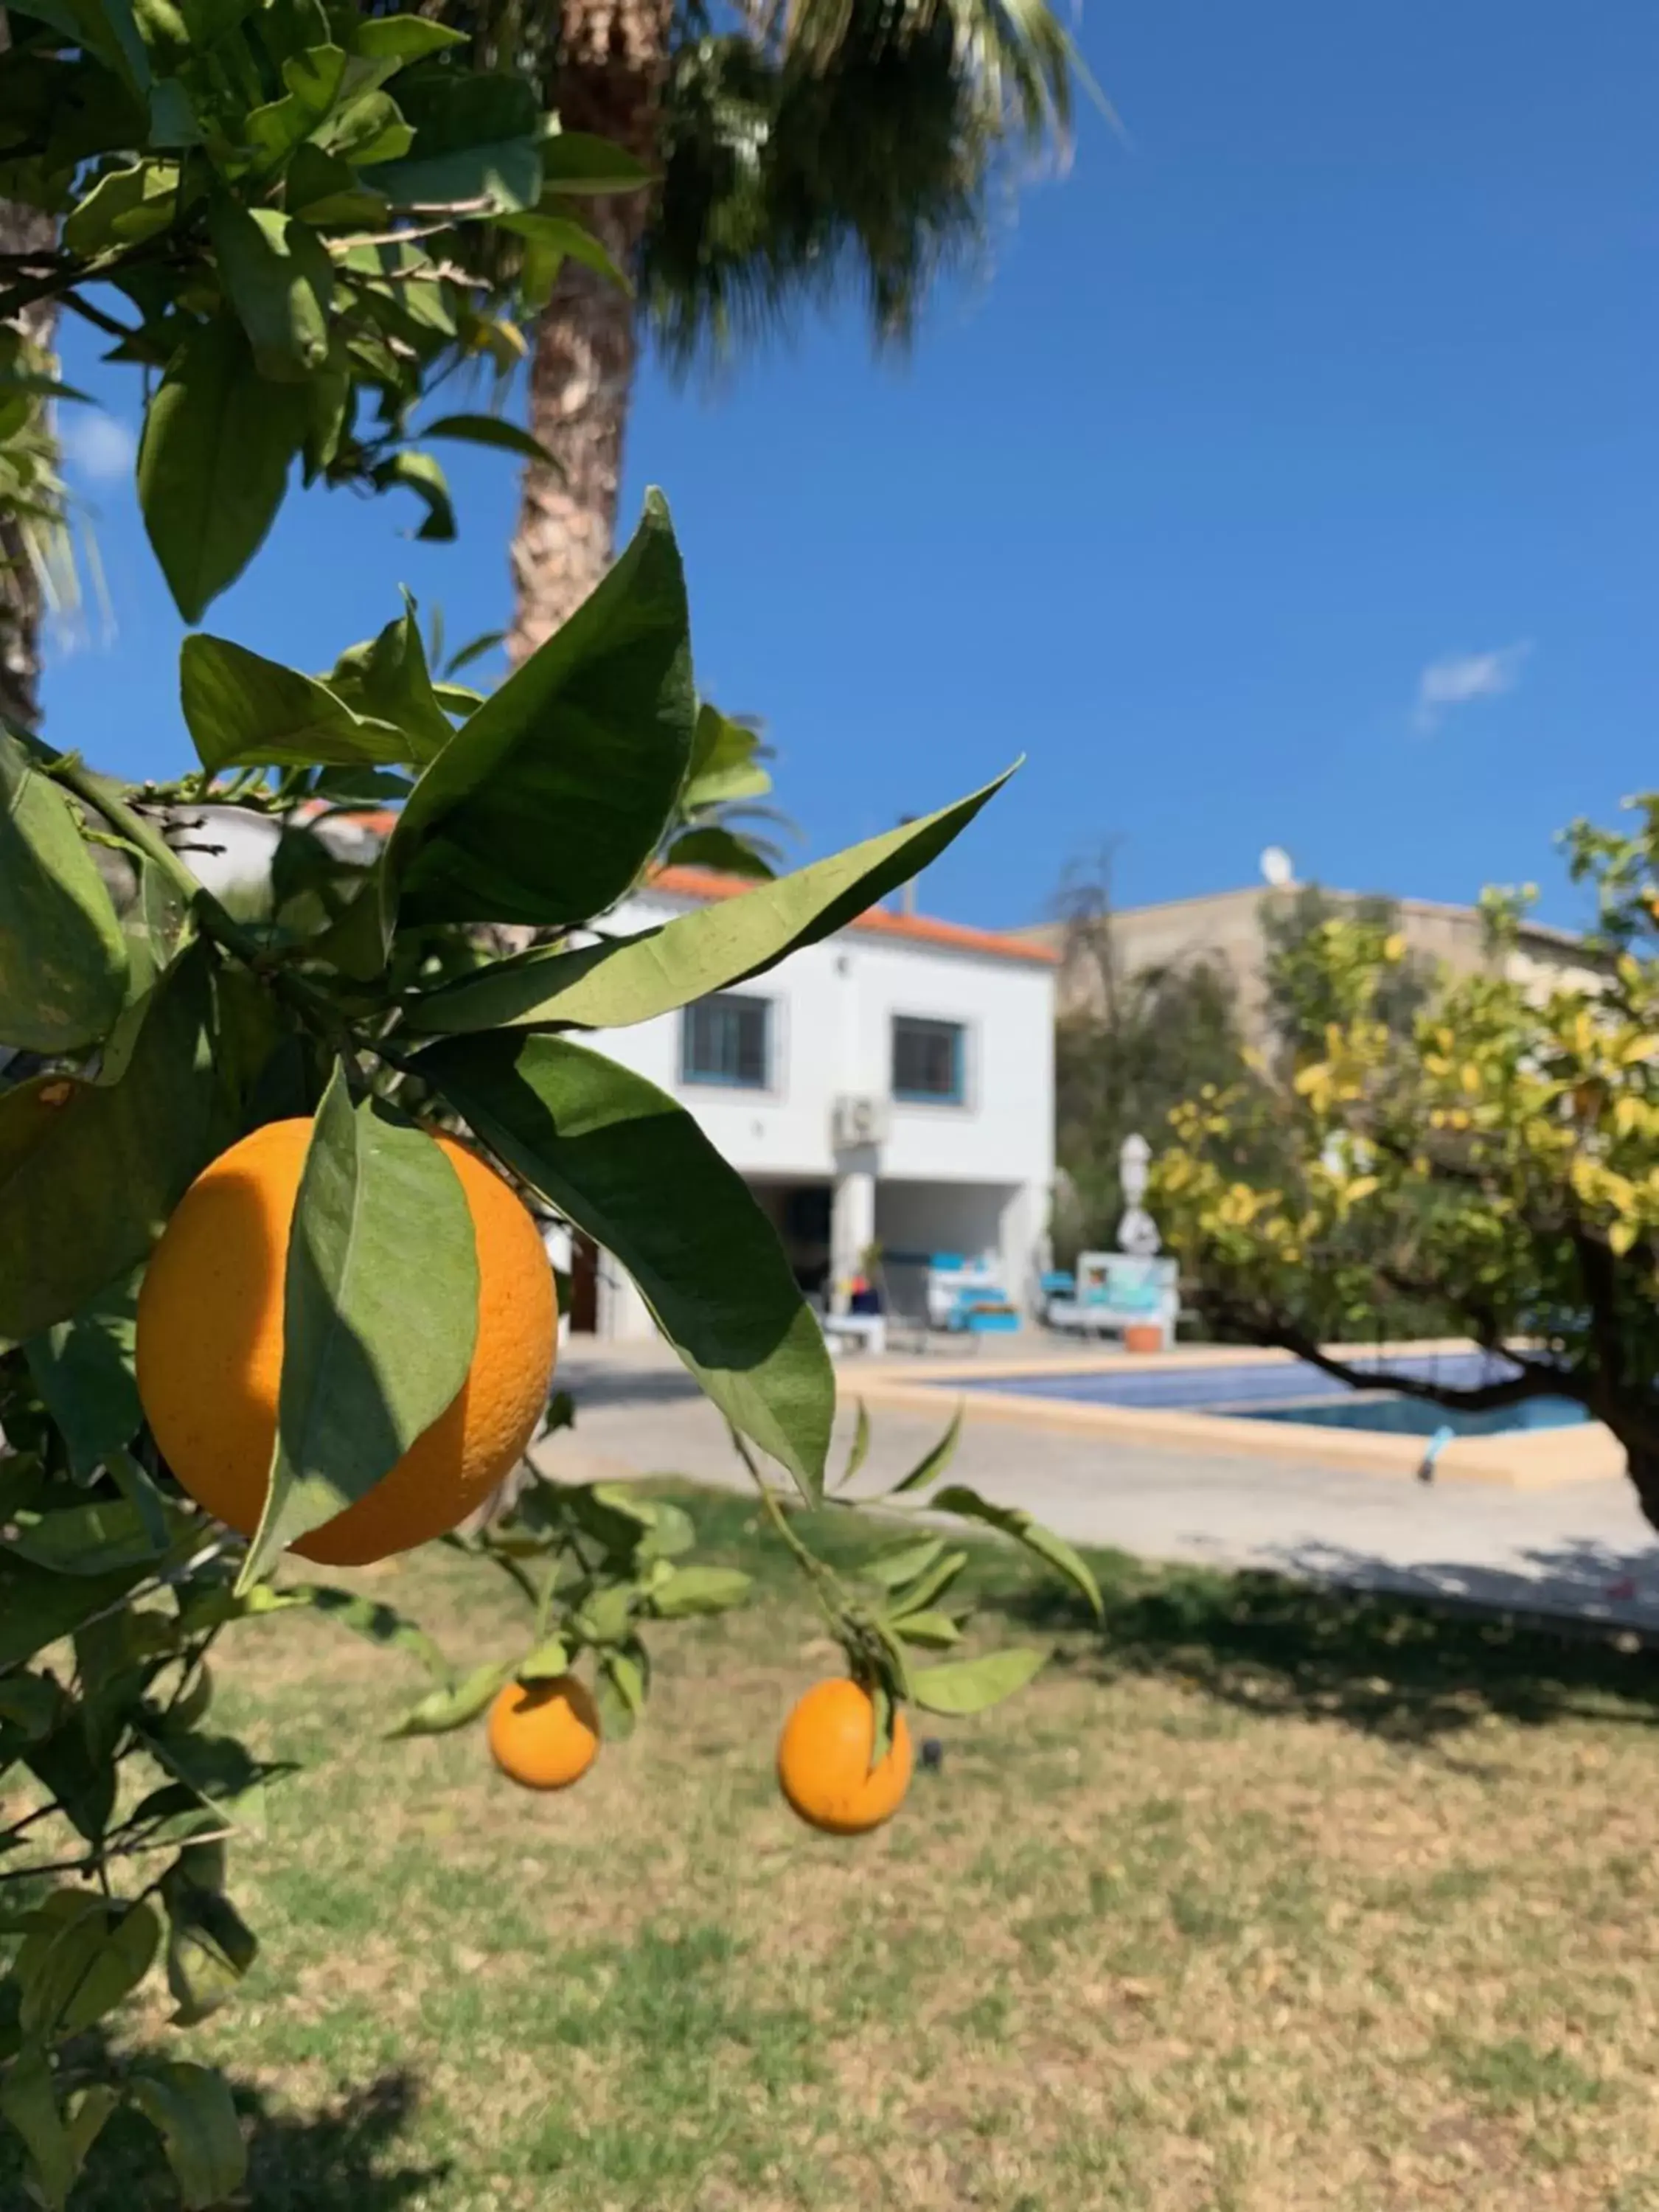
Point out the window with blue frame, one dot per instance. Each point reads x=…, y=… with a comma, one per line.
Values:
x=727, y=1039
x=929, y=1061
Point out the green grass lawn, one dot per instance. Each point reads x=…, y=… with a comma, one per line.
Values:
x=1262, y=1898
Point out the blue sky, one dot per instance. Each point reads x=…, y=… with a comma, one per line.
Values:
x=1290, y=477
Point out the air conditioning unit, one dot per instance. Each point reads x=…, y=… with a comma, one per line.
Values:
x=860, y=1121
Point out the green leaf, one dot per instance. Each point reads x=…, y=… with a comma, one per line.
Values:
x=633, y=1170
x=28, y=2101
x=700, y=1590
x=191, y=2108
x=620, y=1689
x=314, y=77
x=929, y=1628
x=858, y=1451
x=726, y=762
x=545, y=1663
x=969, y=1686
x=244, y=711
x=441, y=1711
x=83, y=1956
x=1054, y=1550
x=223, y=1772
x=380, y=1314
x=87, y=2111
x=83, y=1370
x=38, y=1607
x=491, y=430
x=278, y=278
x=388, y=679
x=124, y=208
x=575, y=162
x=323, y=189
x=98, y=1539
x=552, y=237
x=711, y=845
x=421, y=474
x=934, y=1462
x=213, y=462
x=476, y=142
x=930, y=1584
x=89, y=1174
x=403, y=38
x=209, y=1946
x=474, y=649
x=63, y=956
x=892, y=1569
x=367, y=131
x=31, y=1704
x=546, y=805
x=613, y=984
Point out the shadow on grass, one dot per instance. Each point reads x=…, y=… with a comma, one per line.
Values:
x=1416, y=1661
x=1414, y=1653
x=344, y=2157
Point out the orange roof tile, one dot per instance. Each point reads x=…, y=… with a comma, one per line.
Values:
x=879, y=921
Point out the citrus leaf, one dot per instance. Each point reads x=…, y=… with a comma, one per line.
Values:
x=934, y=1462
x=388, y=679
x=369, y=1618
x=89, y=1173
x=490, y=430
x=380, y=1314
x=969, y=1686
x=545, y=1663
x=860, y=1450
x=191, y=2108
x=575, y=162
x=932, y=1628
x=84, y=1955
x=1054, y=1550
x=624, y=1164
x=62, y=956
x=700, y=1590
x=37, y=1607
x=634, y=979
x=442, y=1710
x=278, y=276
x=403, y=38
x=83, y=1370
x=28, y=2102
x=477, y=137
x=546, y=803
x=894, y=1568
x=213, y=462
x=931, y=1583
x=244, y=711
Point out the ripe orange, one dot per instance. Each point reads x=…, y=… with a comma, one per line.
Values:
x=210, y=1352
x=545, y=1734
x=823, y=1760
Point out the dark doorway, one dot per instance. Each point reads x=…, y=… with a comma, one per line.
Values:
x=584, y=1285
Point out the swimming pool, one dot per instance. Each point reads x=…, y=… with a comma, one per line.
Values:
x=1296, y=1392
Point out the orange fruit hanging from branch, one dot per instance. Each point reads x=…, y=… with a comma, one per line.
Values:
x=210, y=1352
x=823, y=1760
x=545, y=1734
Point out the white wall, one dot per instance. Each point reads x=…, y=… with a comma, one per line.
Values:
x=833, y=1006
x=970, y=1177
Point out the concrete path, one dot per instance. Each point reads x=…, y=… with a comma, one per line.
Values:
x=1583, y=1550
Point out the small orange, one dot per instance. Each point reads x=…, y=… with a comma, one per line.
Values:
x=210, y=1352
x=545, y=1734
x=823, y=1760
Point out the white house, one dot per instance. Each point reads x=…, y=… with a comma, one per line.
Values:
x=892, y=1085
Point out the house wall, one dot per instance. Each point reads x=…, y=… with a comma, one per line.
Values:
x=970, y=1177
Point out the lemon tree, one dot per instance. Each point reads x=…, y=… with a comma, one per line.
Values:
x=1495, y=1162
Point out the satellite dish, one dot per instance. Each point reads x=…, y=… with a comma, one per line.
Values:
x=1276, y=867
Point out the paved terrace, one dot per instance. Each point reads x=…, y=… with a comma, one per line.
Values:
x=1581, y=1548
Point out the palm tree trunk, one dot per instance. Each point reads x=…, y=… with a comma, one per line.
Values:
x=23, y=230
x=610, y=75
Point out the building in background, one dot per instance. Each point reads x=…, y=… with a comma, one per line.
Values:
x=1225, y=928
x=891, y=1086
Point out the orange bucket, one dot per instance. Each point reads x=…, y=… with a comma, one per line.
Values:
x=1143, y=1336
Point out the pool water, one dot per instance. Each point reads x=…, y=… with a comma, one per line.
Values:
x=1415, y=1417
x=1293, y=1390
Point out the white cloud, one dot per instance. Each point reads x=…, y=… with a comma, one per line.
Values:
x=98, y=448
x=1458, y=677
